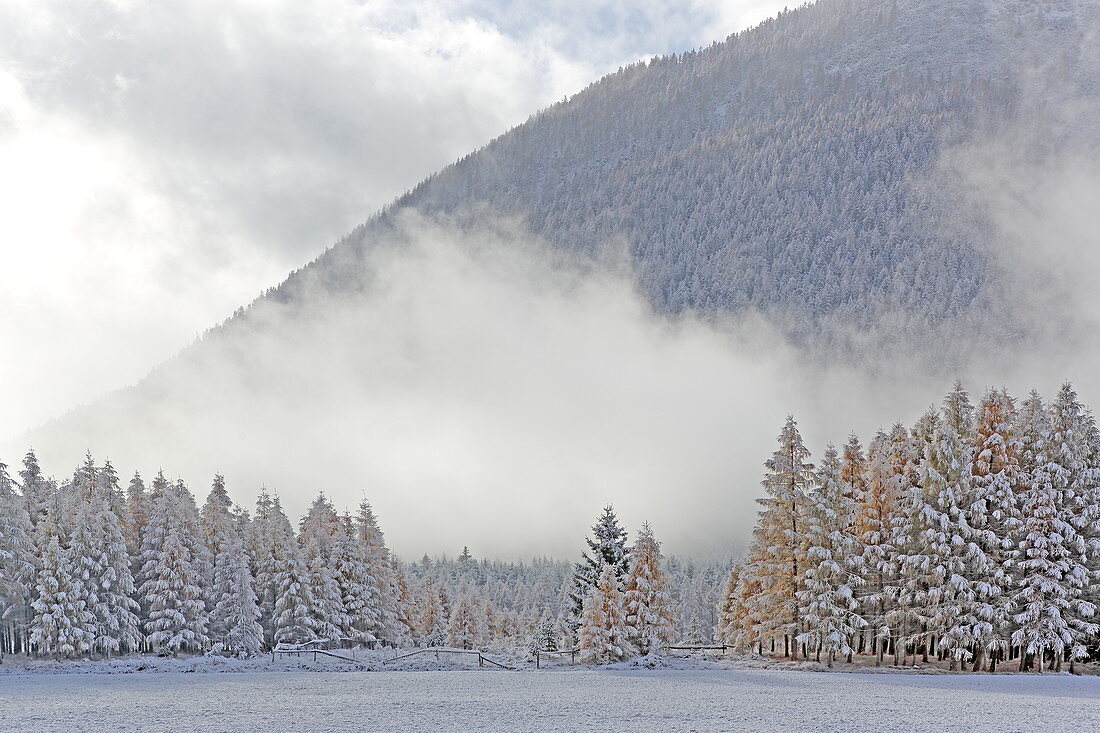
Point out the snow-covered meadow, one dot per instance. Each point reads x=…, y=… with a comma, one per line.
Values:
x=578, y=699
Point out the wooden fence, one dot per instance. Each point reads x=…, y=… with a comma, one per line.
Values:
x=482, y=660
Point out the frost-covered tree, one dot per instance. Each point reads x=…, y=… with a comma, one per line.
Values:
x=606, y=547
x=649, y=608
x=318, y=536
x=137, y=514
x=293, y=619
x=234, y=613
x=827, y=604
x=385, y=619
x=731, y=612
x=62, y=624
x=994, y=518
x=431, y=625
x=171, y=586
x=466, y=627
x=17, y=555
x=101, y=562
x=604, y=634
x=780, y=538
x=36, y=488
x=260, y=546
x=877, y=515
x=1071, y=480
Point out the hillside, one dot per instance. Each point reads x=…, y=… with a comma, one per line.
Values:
x=824, y=173
x=789, y=170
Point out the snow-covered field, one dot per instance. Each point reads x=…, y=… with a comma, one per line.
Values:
x=575, y=699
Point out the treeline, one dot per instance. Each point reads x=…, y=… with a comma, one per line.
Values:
x=973, y=536
x=88, y=568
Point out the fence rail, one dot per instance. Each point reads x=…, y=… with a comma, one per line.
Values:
x=539, y=654
x=309, y=647
x=481, y=658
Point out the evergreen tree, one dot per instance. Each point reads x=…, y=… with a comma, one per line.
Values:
x=17, y=554
x=36, y=489
x=1073, y=481
x=318, y=536
x=731, y=613
x=385, y=618
x=648, y=604
x=62, y=624
x=994, y=518
x=171, y=586
x=780, y=537
x=828, y=607
x=234, y=613
x=102, y=563
x=607, y=547
x=877, y=516
x=293, y=619
x=260, y=546
x=604, y=635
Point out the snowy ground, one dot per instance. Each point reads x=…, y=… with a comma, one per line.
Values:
x=293, y=698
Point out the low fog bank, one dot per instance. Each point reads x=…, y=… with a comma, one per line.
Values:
x=488, y=390
x=484, y=390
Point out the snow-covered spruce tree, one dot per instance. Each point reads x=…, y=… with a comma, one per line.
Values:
x=349, y=564
x=260, y=546
x=234, y=615
x=111, y=489
x=877, y=516
x=827, y=605
x=171, y=587
x=564, y=619
x=36, y=488
x=466, y=627
x=780, y=539
x=318, y=535
x=729, y=630
x=607, y=546
x=545, y=636
x=1074, y=481
x=604, y=635
x=995, y=519
x=202, y=558
x=17, y=557
x=386, y=616
x=649, y=611
x=969, y=571
x=62, y=625
x=102, y=563
x=1045, y=561
x=293, y=617
x=919, y=542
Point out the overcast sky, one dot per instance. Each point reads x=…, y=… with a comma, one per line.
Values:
x=162, y=163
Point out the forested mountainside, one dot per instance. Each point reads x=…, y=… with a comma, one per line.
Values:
x=789, y=170
x=806, y=171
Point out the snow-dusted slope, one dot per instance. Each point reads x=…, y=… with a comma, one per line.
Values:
x=784, y=170
x=807, y=170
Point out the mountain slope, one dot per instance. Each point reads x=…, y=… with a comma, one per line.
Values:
x=815, y=171
x=786, y=170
